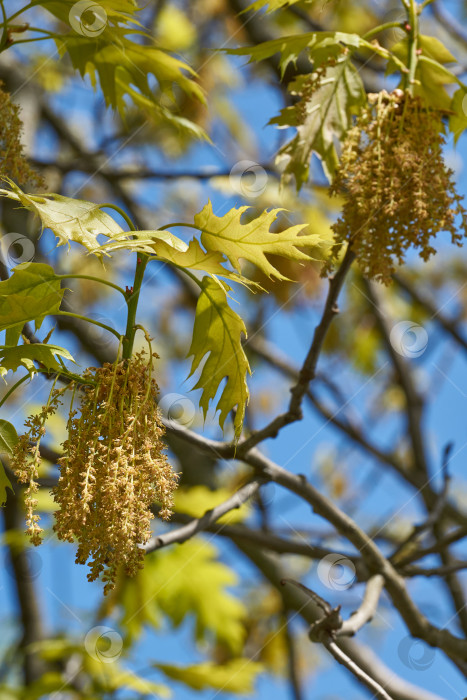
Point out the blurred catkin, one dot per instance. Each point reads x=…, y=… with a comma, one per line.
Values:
x=13, y=162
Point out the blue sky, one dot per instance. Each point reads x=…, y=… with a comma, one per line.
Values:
x=66, y=597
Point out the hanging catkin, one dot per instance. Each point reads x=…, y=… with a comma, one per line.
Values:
x=112, y=471
x=398, y=191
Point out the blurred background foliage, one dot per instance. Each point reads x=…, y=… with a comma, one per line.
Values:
x=202, y=617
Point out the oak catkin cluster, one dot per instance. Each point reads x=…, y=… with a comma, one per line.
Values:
x=112, y=471
x=398, y=192
x=13, y=162
x=26, y=462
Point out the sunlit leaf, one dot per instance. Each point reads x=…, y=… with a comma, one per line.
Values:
x=172, y=249
x=49, y=684
x=69, y=219
x=188, y=580
x=250, y=241
x=235, y=676
x=196, y=500
x=320, y=45
x=169, y=248
x=143, y=242
x=431, y=46
x=321, y=121
x=217, y=333
x=124, y=67
x=458, y=118
x=8, y=437
x=45, y=502
x=133, y=599
x=272, y=5
x=25, y=355
x=32, y=292
x=175, y=29
x=104, y=672
x=193, y=257
x=117, y=678
x=55, y=648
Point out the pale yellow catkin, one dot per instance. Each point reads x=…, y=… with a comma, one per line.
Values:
x=112, y=472
x=398, y=192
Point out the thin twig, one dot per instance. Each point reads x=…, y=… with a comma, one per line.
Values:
x=292, y=660
x=308, y=370
x=367, y=609
x=416, y=622
x=296, y=599
x=435, y=571
x=196, y=525
x=443, y=542
x=434, y=515
x=377, y=690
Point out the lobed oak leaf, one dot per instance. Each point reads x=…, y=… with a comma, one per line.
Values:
x=252, y=240
x=25, y=355
x=31, y=293
x=69, y=219
x=217, y=333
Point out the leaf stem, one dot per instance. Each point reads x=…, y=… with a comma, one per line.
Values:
x=384, y=53
x=13, y=388
x=132, y=303
x=65, y=373
x=89, y=320
x=381, y=28
x=163, y=228
x=120, y=211
x=412, y=12
x=150, y=365
x=93, y=279
x=40, y=31
x=188, y=273
x=132, y=298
